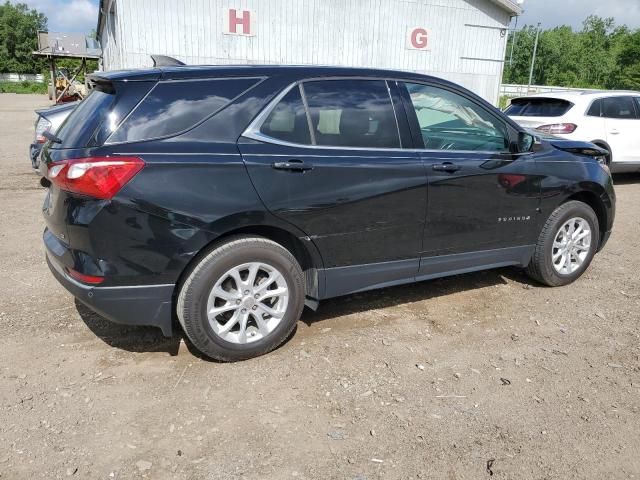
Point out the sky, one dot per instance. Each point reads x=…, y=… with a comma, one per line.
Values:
x=67, y=15
x=82, y=15
x=552, y=13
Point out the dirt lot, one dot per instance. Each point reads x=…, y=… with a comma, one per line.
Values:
x=471, y=377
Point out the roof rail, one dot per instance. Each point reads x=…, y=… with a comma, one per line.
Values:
x=165, y=61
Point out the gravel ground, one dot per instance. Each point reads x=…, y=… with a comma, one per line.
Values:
x=470, y=377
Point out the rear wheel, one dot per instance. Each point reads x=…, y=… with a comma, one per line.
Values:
x=566, y=246
x=241, y=300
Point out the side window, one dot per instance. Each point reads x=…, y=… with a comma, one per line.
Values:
x=172, y=107
x=352, y=113
x=596, y=109
x=449, y=121
x=618, y=107
x=288, y=120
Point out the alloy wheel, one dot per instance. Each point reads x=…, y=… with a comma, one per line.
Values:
x=571, y=246
x=247, y=303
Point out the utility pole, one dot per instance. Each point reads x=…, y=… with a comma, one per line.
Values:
x=533, y=58
x=513, y=42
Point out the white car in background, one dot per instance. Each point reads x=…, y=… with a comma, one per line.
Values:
x=610, y=119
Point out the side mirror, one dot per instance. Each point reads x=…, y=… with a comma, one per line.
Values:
x=525, y=142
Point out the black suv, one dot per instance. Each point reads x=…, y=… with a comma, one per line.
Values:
x=228, y=198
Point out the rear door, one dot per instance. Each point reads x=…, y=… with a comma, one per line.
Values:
x=338, y=171
x=622, y=124
x=481, y=196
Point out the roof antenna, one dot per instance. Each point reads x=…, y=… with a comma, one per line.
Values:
x=165, y=61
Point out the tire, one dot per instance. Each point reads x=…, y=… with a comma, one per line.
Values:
x=206, y=315
x=542, y=267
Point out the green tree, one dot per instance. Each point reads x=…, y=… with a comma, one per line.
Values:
x=627, y=72
x=517, y=69
x=600, y=55
x=559, y=57
x=19, y=27
x=596, y=62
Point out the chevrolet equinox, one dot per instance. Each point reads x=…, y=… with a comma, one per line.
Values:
x=224, y=199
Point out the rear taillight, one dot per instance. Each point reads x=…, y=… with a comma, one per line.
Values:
x=558, y=128
x=43, y=125
x=98, y=177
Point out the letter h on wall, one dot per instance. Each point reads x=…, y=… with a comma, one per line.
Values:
x=239, y=22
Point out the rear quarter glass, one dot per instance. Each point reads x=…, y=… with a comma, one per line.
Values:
x=173, y=107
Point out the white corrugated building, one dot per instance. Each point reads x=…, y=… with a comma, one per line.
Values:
x=460, y=40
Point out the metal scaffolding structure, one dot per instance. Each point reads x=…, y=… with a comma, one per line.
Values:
x=55, y=46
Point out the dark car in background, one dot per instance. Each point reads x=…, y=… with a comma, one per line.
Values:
x=48, y=121
x=228, y=198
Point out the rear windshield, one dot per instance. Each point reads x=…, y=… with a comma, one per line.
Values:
x=538, y=107
x=82, y=122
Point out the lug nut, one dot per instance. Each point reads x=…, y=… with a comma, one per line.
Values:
x=238, y=302
x=256, y=296
x=244, y=310
x=246, y=292
x=254, y=307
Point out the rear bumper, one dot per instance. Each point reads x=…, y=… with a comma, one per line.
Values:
x=133, y=305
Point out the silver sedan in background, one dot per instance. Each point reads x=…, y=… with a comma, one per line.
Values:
x=49, y=120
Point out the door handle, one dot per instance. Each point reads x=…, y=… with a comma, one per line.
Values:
x=446, y=167
x=293, y=165
x=614, y=132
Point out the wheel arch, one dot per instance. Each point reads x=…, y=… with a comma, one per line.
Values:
x=300, y=246
x=595, y=201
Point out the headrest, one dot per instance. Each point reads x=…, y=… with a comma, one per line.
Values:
x=354, y=122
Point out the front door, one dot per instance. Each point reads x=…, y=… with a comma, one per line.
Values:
x=481, y=197
x=328, y=158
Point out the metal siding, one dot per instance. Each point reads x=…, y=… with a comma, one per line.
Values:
x=368, y=33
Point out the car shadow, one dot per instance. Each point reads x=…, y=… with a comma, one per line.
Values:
x=626, y=178
x=413, y=292
x=130, y=338
x=150, y=339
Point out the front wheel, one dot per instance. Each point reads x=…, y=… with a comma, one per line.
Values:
x=566, y=246
x=241, y=300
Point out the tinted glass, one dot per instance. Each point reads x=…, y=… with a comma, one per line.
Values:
x=288, y=120
x=352, y=113
x=76, y=130
x=637, y=99
x=449, y=121
x=173, y=107
x=618, y=107
x=596, y=109
x=538, y=107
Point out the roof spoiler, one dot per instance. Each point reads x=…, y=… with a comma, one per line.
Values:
x=100, y=83
x=165, y=61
